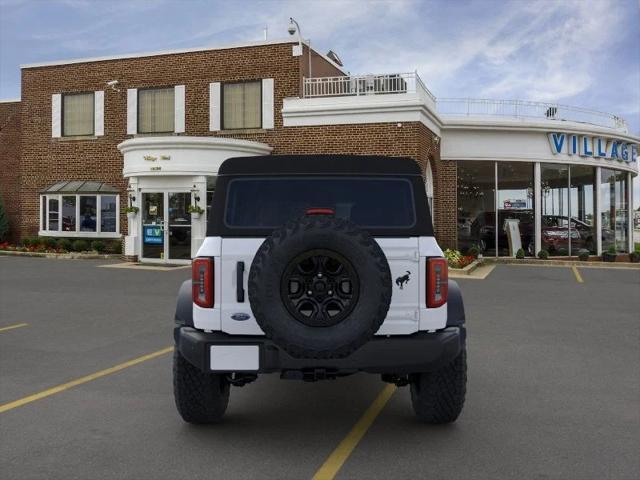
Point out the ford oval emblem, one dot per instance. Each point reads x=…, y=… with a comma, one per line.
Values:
x=241, y=317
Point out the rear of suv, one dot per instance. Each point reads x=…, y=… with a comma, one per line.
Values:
x=317, y=267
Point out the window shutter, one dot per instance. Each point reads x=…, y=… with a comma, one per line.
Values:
x=132, y=111
x=267, y=103
x=56, y=115
x=98, y=113
x=178, y=98
x=214, y=106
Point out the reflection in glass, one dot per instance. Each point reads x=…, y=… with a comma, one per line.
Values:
x=179, y=226
x=54, y=213
x=88, y=213
x=614, y=210
x=476, y=206
x=108, y=213
x=69, y=214
x=515, y=202
x=555, y=208
x=153, y=225
x=582, y=204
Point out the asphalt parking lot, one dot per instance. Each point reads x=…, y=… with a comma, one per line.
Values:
x=554, y=386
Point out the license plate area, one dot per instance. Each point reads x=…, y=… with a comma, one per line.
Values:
x=234, y=358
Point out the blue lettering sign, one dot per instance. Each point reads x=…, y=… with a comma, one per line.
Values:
x=557, y=142
x=153, y=235
x=614, y=150
x=624, y=152
x=573, y=147
x=601, y=150
x=634, y=153
x=586, y=149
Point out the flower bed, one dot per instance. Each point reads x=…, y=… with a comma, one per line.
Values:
x=455, y=259
x=51, y=245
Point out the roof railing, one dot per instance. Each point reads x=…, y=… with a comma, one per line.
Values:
x=526, y=109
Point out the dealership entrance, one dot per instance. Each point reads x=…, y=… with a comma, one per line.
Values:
x=166, y=227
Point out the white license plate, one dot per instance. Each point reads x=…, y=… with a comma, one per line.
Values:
x=234, y=358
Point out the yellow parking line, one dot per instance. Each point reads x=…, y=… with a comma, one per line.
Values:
x=577, y=274
x=334, y=463
x=11, y=327
x=81, y=380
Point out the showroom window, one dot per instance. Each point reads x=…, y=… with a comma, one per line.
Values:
x=477, y=206
x=614, y=210
x=516, y=208
x=81, y=209
x=242, y=105
x=78, y=114
x=156, y=110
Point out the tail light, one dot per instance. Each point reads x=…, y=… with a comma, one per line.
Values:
x=202, y=282
x=437, y=282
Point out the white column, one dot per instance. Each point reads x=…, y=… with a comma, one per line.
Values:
x=537, y=212
x=630, y=211
x=214, y=106
x=56, y=115
x=132, y=111
x=199, y=226
x=132, y=239
x=98, y=120
x=598, y=212
x=179, y=108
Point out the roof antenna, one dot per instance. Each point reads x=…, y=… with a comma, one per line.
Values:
x=266, y=32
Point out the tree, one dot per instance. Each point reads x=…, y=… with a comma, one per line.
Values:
x=4, y=222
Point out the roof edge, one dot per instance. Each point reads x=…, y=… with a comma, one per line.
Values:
x=124, y=56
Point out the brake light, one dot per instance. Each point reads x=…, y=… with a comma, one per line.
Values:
x=437, y=282
x=319, y=211
x=202, y=282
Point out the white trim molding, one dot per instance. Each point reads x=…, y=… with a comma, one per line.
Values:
x=183, y=155
x=132, y=111
x=98, y=122
x=267, y=103
x=179, y=109
x=56, y=115
x=214, y=107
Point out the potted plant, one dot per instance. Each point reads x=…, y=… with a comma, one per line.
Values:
x=583, y=254
x=610, y=255
x=195, y=211
x=635, y=256
x=131, y=212
x=520, y=254
x=543, y=254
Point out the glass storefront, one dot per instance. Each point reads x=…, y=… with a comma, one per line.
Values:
x=515, y=205
x=568, y=221
x=614, y=207
x=477, y=206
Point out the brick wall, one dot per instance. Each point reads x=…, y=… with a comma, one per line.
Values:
x=10, y=163
x=46, y=160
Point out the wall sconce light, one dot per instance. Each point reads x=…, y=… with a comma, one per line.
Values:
x=132, y=197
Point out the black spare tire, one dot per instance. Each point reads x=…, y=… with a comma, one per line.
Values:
x=320, y=287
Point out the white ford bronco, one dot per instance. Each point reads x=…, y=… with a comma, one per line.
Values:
x=317, y=267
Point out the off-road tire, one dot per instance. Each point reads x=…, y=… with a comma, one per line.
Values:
x=200, y=397
x=325, y=233
x=438, y=397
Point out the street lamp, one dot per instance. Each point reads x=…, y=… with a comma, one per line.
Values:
x=293, y=28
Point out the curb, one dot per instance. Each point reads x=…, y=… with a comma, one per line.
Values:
x=64, y=256
x=468, y=270
x=563, y=263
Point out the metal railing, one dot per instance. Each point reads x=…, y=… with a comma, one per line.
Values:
x=356, y=85
x=527, y=109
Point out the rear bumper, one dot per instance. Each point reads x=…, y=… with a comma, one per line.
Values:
x=420, y=352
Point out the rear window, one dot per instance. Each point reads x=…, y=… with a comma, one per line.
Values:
x=371, y=202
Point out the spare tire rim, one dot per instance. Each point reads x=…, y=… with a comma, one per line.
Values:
x=320, y=288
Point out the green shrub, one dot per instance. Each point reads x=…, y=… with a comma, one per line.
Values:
x=26, y=242
x=473, y=251
x=98, y=246
x=562, y=252
x=543, y=254
x=612, y=250
x=520, y=253
x=48, y=242
x=583, y=254
x=80, y=245
x=453, y=257
x=65, y=244
x=114, y=246
x=4, y=222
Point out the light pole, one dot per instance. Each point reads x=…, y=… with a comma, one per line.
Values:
x=293, y=28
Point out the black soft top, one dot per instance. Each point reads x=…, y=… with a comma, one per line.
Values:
x=320, y=164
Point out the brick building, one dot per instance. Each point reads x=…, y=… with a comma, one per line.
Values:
x=91, y=137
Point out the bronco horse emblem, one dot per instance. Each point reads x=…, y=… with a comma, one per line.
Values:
x=400, y=281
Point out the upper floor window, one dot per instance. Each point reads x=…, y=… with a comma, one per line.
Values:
x=78, y=114
x=241, y=105
x=156, y=110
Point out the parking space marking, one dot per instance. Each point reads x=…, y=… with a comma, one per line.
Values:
x=74, y=383
x=334, y=463
x=11, y=327
x=577, y=274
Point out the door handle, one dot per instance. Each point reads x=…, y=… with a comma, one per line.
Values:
x=239, y=282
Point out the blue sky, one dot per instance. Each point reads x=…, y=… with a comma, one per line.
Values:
x=577, y=52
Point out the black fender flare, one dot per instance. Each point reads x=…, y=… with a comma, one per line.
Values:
x=184, y=305
x=455, y=305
